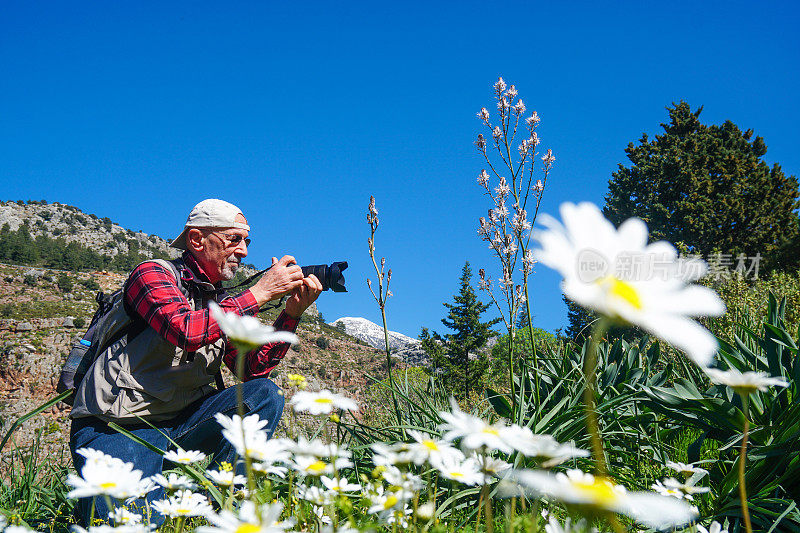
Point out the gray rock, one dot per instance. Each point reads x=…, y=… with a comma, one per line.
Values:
x=38, y=274
x=24, y=326
x=69, y=322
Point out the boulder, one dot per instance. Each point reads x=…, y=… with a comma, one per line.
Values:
x=69, y=322
x=24, y=326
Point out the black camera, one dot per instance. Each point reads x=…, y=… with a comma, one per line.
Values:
x=329, y=275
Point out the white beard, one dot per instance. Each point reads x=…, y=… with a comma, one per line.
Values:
x=229, y=270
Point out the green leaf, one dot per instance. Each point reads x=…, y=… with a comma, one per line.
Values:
x=501, y=405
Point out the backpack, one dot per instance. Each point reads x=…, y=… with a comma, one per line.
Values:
x=112, y=321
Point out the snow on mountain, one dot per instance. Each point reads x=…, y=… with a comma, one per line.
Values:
x=401, y=346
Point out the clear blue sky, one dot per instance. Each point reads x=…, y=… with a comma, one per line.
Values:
x=298, y=112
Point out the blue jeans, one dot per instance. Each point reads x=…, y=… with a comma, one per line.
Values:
x=194, y=428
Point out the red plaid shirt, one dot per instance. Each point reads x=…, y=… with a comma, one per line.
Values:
x=153, y=293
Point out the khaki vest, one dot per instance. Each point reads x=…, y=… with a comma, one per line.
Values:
x=149, y=377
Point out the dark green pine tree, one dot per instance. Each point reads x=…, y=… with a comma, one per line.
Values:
x=455, y=355
x=709, y=187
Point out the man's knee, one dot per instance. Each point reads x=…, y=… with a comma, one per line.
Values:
x=264, y=398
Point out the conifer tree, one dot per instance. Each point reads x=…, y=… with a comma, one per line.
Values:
x=709, y=187
x=454, y=355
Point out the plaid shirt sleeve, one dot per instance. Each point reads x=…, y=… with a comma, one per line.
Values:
x=153, y=293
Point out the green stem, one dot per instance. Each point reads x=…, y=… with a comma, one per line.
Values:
x=110, y=506
x=511, y=375
x=248, y=464
x=742, y=458
x=533, y=349
x=389, y=368
x=590, y=377
x=181, y=522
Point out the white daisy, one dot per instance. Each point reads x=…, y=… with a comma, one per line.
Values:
x=270, y=469
x=386, y=500
x=744, y=383
x=687, y=470
x=316, y=495
x=547, y=450
x=249, y=520
x=466, y=471
x=20, y=529
x=474, y=432
x=245, y=434
x=688, y=488
x=426, y=510
x=174, y=481
x=339, y=484
x=183, y=503
x=121, y=516
x=311, y=448
x=616, y=273
x=581, y=526
x=714, y=527
x=391, y=454
x=113, y=478
x=225, y=478
x=322, y=402
x=103, y=528
x=247, y=332
x=321, y=516
x=97, y=456
x=578, y=488
x=402, y=479
x=667, y=491
x=396, y=516
x=491, y=467
x=427, y=449
x=311, y=466
x=184, y=457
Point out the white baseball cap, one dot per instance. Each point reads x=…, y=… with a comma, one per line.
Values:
x=211, y=213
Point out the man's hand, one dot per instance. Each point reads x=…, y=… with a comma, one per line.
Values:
x=303, y=296
x=283, y=277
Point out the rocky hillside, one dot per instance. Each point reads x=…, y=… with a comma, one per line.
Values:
x=66, y=222
x=402, y=346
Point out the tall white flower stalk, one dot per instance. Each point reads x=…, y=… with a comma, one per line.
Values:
x=384, y=277
x=516, y=194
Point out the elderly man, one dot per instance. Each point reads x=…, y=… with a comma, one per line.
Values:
x=162, y=371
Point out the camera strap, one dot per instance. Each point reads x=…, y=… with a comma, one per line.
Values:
x=250, y=280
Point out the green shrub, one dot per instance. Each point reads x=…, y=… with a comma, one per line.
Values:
x=30, y=280
x=79, y=323
x=64, y=282
x=90, y=284
x=323, y=342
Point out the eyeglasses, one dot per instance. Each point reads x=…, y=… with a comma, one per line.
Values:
x=232, y=239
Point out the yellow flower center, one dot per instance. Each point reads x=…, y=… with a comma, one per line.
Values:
x=317, y=466
x=391, y=501
x=431, y=445
x=491, y=431
x=600, y=493
x=457, y=474
x=183, y=511
x=323, y=400
x=622, y=290
x=247, y=528
x=108, y=485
